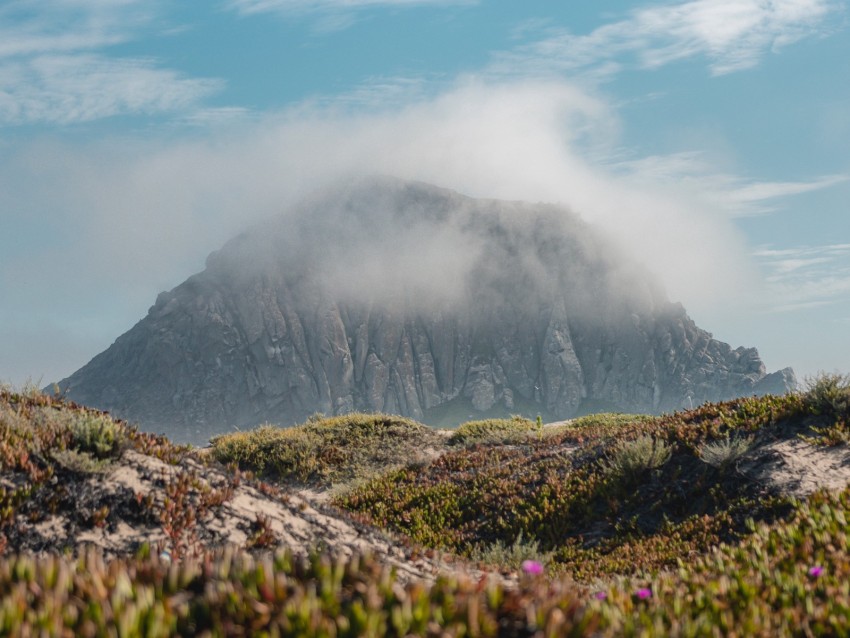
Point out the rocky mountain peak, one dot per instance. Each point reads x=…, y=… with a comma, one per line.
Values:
x=385, y=295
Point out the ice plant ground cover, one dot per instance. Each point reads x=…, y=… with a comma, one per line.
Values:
x=723, y=552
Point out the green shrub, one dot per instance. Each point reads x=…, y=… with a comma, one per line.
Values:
x=271, y=451
x=494, y=431
x=81, y=462
x=828, y=394
x=328, y=450
x=511, y=556
x=97, y=435
x=630, y=460
x=609, y=420
x=724, y=452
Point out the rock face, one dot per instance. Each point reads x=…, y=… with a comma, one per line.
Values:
x=404, y=298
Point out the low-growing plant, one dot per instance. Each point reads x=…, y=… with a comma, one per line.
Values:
x=81, y=462
x=629, y=460
x=609, y=420
x=328, y=450
x=496, y=431
x=262, y=534
x=511, y=556
x=724, y=452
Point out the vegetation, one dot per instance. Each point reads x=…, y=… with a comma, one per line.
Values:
x=328, y=450
x=789, y=579
x=612, y=420
x=511, y=557
x=562, y=491
x=494, y=431
x=723, y=453
x=649, y=513
x=828, y=395
x=630, y=460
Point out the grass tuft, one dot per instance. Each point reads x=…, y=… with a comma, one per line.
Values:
x=725, y=452
x=630, y=460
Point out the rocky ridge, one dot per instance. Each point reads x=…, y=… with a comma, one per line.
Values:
x=353, y=302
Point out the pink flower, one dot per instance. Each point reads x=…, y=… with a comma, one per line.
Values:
x=816, y=571
x=600, y=595
x=532, y=567
x=643, y=593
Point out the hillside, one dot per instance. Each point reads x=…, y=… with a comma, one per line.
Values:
x=401, y=297
x=707, y=520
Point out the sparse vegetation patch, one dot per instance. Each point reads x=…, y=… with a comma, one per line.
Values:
x=328, y=450
x=495, y=431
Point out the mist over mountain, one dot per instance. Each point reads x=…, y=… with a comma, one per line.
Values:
x=401, y=297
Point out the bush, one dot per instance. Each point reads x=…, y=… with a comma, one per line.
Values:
x=271, y=451
x=828, y=394
x=81, y=462
x=494, y=431
x=511, y=556
x=609, y=420
x=724, y=452
x=630, y=460
x=97, y=435
x=328, y=450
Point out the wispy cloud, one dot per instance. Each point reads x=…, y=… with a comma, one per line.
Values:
x=301, y=6
x=53, y=70
x=806, y=276
x=86, y=87
x=736, y=195
x=732, y=35
x=64, y=26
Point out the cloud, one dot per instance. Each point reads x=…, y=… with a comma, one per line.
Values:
x=135, y=217
x=304, y=6
x=690, y=173
x=806, y=276
x=732, y=34
x=331, y=16
x=51, y=70
x=65, y=26
x=81, y=88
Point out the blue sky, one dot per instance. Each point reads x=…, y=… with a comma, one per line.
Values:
x=711, y=138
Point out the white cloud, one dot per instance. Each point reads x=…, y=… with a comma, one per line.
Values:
x=806, y=276
x=51, y=70
x=80, y=88
x=732, y=34
x=141, y=216
x=301, y=6
x=690, y=174
x=62, y=26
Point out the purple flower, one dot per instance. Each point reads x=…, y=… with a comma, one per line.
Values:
x=643, y=593
x=600, y=595
x=532, y=567
x=816, y=571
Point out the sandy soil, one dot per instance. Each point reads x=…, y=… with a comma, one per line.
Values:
x=797, y=468
x=301, y=521
x=134, y=490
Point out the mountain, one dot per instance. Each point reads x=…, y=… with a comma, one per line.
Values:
x=400, y=297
